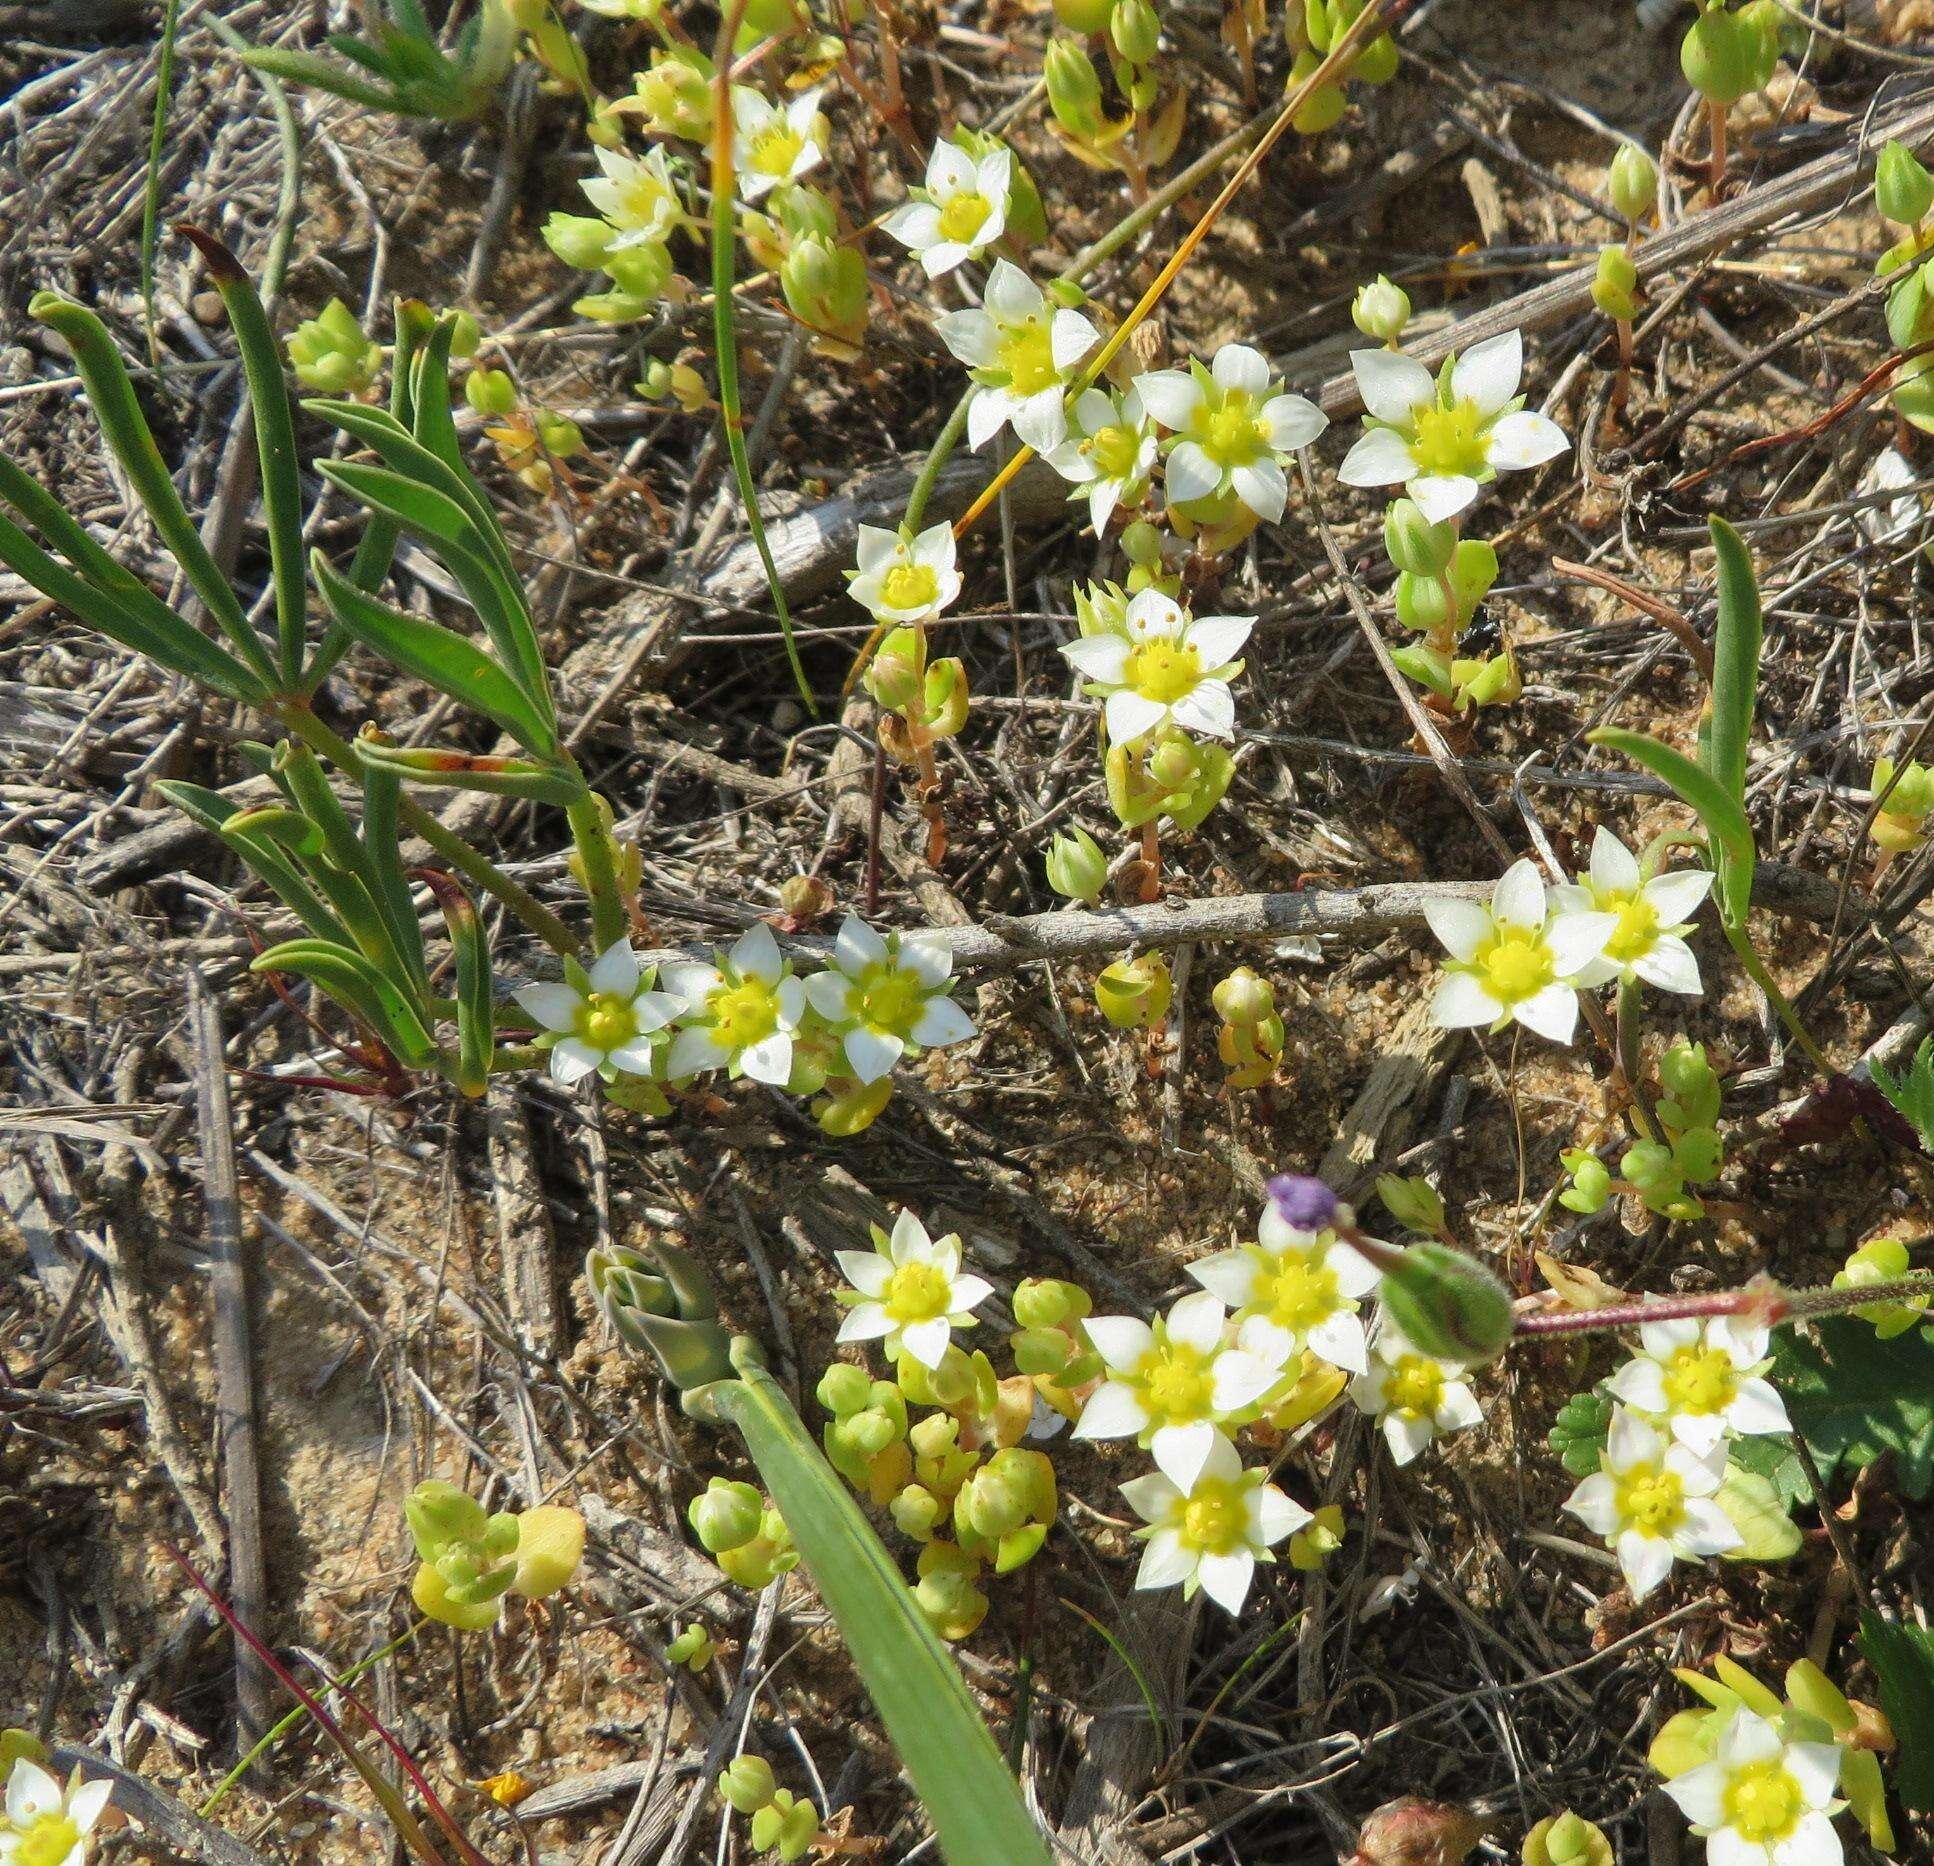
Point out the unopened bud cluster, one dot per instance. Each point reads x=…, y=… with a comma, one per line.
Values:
x=470, y=1559
x=1250, y=1041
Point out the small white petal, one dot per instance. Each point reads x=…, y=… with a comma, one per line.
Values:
x=866, y=1270
x=1210, y=710
x=1182, y=1452
x=1196, y=1321
x=1380, y=458
x=1442, y=495
x=1166, y=1561
x=1461, y=926
x=1120, y=1340
x=1392, y=385
x=972, y=336
x=872, y=1053
x=1671, y=966
x=755, y=954
x=1229, y=1276
x=1290, y=421
x=1218, y=639
x=1237, y=366
x=572, y=1061
x=1488, y=372
x=1757, y=1407
x=1676, y=896
x=1339, y=1340
x=927, y=1341
x=1701, y=1794
x=1129, y=715
x=1225, y=1578
x=916, y=225
x=553, y=1007
x=1406, y=1434
x=942, y=1021
x=1191, y=473
x=1816, y=1767
x=1262, y=488
x=1112, y=1411
x=1518, y=899
x=1524, y=440
x=1646, y=1561
x=867, y=1321
x=769, y=1060
x=1460, y=1002
x=1595, y=1504
x=1170, y=395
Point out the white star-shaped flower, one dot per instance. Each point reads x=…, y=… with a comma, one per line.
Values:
x=886, y=997
x=1211, y=1532
x=1646, y=921
x=1233, y=429
x=1021, y=352
x=772, y=144
x=1165, y=667
x=1511, y=961
x=1442, y=440
x=638, y=197
x=1704, y=1383
x=742, y=1012
x=47, y=1822
x=961, y=210
x=607, y=1020
x=1109, y=453
x=1763, y=1801
x=1653, y=1502
x=1173, y=1384
x=908, y=1292
x=1413, y=1396
x=902, y=579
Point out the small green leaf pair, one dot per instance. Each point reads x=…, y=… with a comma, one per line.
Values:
x=403, y=69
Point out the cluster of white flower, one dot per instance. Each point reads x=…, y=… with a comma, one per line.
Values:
x=1524, y=957
x=1689, y=1391
x=881, y=997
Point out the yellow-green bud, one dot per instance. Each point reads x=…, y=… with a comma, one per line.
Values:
x=579, y=240
x=330, y=352
x=490, y=392
x=693, y=1649
x=1084, y=15
x=1567, y=1840
x=852, y=1107
x=946, y=696
x=1903, y=189
x=1634, y=182
x=726, y=1515
x=1077, y=867
x=1324, y=106
x=1049, y=1302
x=465, y=336
x=896, y=676
x=1447, y=1304
x=1134, y=994
x=1136, y=29
x=746, y=1784
x=844, y=1388
x=1415, y=545
x=1244, y=997
x=1074, y=88
x=561, y=436
x=1381, y=310
x=1615, y=284
x=1718, y=55
x=916, y=1510
x=953, y=1605
x=825, y=286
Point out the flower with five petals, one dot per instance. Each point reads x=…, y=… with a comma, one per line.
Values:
x=908, y=1292
x=885, y=997
x=742, y=1011
x=1021, y=352
x=608, y=1020
x=1163, y=667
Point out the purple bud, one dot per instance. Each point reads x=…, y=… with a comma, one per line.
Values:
x=1302, y=1202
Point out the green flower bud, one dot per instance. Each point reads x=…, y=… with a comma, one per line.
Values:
x=726, y=1515
x=330, y=352
x=1042, y=1353
x=1698, y=1153
x=1447, y=1304
x=1762, y=23
x=1244, y=997
x=946, y=697
x=1102, y=608
x=693, y=1649
x=675, y=95
x=825, y=287
x=1136, y=30
x=1077, y=867
x=1381, y=310
x=1634, y=182
x=1903, y=189
x=1615, y=284
x=916, y=1510
x=1717, y=56
x=1049, y=1302
x=953, y=1605
x=490, y=392
x=465, y=336
x=579, y=240
x=1324, y=106
x=1413, y=1202
x=1689, y=1078
x=1591, y=1181
x=563, y=439
x=1567, y=1840
x=1074, y=88
x=1650, y=1166
x=1141, y=544
x=1134, y=994
x=896, y=676
x=1421, y=603
x=1090, y=16
x=945, y=1385
x=1012, y=1488
x=844, y=1388
x=640, y=271
x=786, y=1825
x=1416, y=546
x=440, y=1515
x=746, y=1784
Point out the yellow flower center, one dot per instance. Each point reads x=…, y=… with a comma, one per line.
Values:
x=910, y=586
x=917, y=1292
x=744, y=1013
x=1213, y=1519
x=1229, y=432
x=1296, y=1292
x=1638, y=927
x=1700, y=1380
x=1416, y=1385
x=775, y=150
x=1163, y=670
x=1514, y=964
x=1175, y=1383
x=1763, y=1802
x=963, y=217
x=1027, y=355
x=890, y=997
x=1450, y=440
x=47, y=1842
x=605, y=1021
x=1651, y=1498
x=1113, y=451
x=643, y=201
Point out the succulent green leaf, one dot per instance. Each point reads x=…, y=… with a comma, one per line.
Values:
x=476, y=1011
x=1903, y=1660
x=360, y=987
x=1735, y=663
x=1724, y=817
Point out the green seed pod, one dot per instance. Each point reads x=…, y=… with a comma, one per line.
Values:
x=1634, y=182
x=1447, y=1304
x=1136, y=30
x=1381, y=310
x=946, y=697
x=1244, y=997
x=1376, y=63
x=1421, y=603
x=1077, y=866
x=746, y=1784
x=1615, y=284
x=640, y=271
x=1698, y=1154
x=465, y=335
x=1134, y=994
x=726, y=1515
x=1903, y=189
x=1416, y=546
x=1567, y=1840
x=896, y=676
x=440, y=1515
x=1717, y=56
x=1042, y=1353
x=490, y=392
x=1074, y=88
x=563, y=439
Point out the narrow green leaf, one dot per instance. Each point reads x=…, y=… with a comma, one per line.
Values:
x=273, y=424
x=357, y=985
x=1735, y=662
x=405, y=501
x=312, y=69
x=126, y=431
x=382, y=852
x=173, y=642
x=476, y=997
x=215, y=812
x=957, y=1771
x=1903, y=1661
x=1722, y=814
x=447, y=661
x=481, y=771
x=350, y=916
